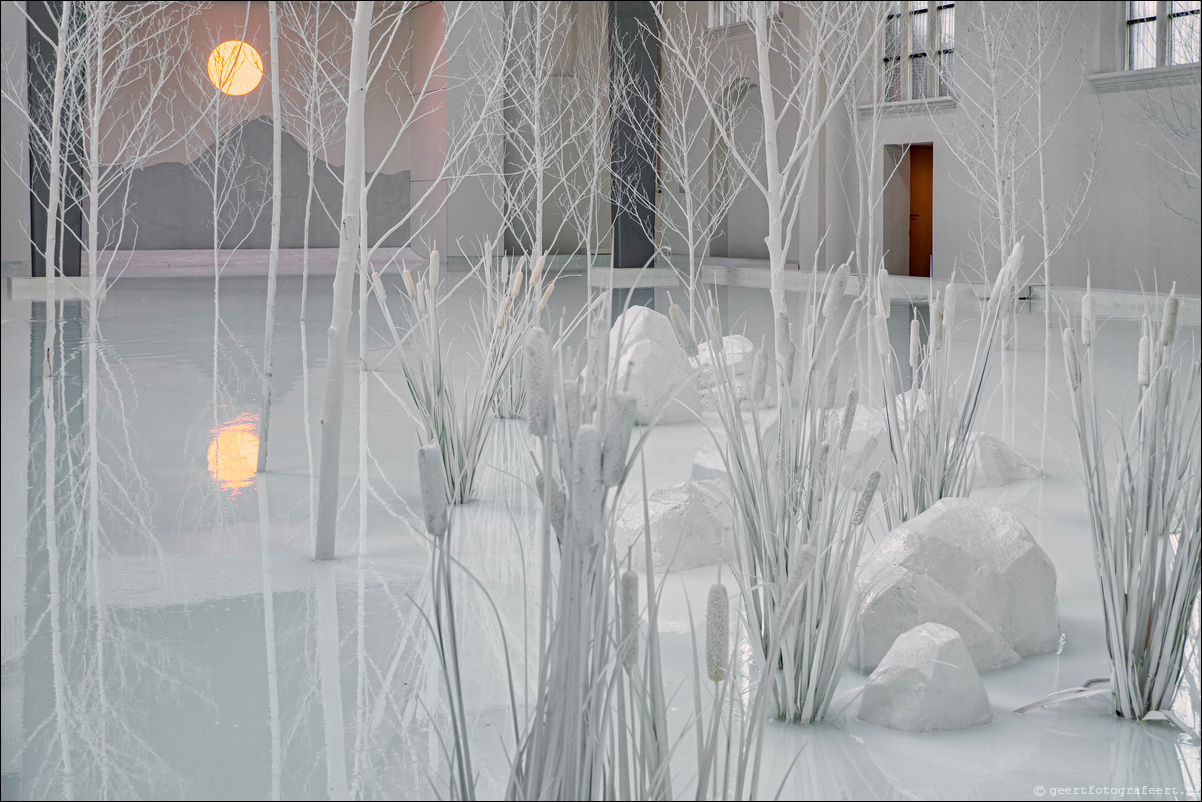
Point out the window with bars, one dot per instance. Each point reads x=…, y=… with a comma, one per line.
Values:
x=733, y=12
x=919, y=50
x=1162, y=33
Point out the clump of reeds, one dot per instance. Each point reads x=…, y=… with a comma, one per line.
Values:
x=797, y=540
x=518, y=288
x=460, y=419
x=931, y=425
x=1146, y=524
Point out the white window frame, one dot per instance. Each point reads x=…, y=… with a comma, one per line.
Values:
x=907, y=52
x=729, y=13
x=1162, y=21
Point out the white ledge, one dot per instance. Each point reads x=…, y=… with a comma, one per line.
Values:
x=66, y=288
x=906, y=107
x=1145, y=79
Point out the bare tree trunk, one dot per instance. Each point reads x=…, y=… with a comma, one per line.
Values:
x=775, y=239
x=348, y=252
x=273, y=259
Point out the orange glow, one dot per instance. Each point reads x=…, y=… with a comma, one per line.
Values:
x=234, y=453
x=235, y=67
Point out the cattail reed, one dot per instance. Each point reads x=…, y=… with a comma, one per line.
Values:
x=790, y=361
x=433, y=489
x=537, y=272
x=832, y=384
x=504, y=313
x=546, y=296
x=782, y=329
x=515, y=286
x=628, y=613
x=759, y=375
x=1071, y=364
x=684, y=334
x=1144, y=368
x=588, y=492
x=408, y=279
x=834, y=296
x=1168, y=324
x=799, y=574
x=949, y=304
x=880, y=330
x=537, y=369
x=716, y=325
x=557, y=504
x=882, y=288
x=434, y=268
x=915, y=344
x=422, y=306
x=717, y=632
x=618, y=426
x=378, y=286
x=1087, y=319
x=865, y=501
x=571, y=408
x=849, y=416
x=850, y=322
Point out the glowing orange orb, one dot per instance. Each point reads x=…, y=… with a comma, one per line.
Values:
x=235, y=67
x=234, y=453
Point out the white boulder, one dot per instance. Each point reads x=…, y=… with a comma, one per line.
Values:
x=926, y=683
x=692, y=524
x=970, y=566
x=994, y=464
x=653, y=367
x=739, y=354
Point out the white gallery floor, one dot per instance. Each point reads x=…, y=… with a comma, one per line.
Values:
x=179, y=641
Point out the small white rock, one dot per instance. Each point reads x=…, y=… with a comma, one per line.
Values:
x=994, y=464
x=926, y=683
x=691, y=525
x=739, y=355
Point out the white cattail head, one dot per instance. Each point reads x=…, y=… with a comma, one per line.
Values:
x=790, y=361
x=434, y=268
x=1071, y=364
x=556, y=504
x=937, y=321
x=915, y=344
x=949, y=305
x=408, y=279
x=865, y=501
x=1087, y=320
x=838, y=286
x=423, y=296
x=717, y=632
x=1168, y=323
x=546, y=296
x=628, y=612
x=849, y=416
x=684, y=334
x=618, y=426
x=1144, y=367
x=537, y=369
x=759, y=375
x=882, y=289
x=515, y=285
x=715, y=324
x=782, y=329
x=433, y=488
x=503, y=315
x=537, y=273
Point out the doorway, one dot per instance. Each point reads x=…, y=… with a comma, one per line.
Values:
x=908, y=209
x=920, y=209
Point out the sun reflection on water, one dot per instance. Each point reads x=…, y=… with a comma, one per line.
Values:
x=234, y=452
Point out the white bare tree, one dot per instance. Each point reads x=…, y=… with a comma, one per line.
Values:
x=273, y=258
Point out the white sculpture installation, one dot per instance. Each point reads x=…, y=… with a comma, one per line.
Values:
x=926, y=683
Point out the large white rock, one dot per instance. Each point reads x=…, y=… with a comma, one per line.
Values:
x=994, y=464
x=926, y=683
x=959, y=558
x=653, y=367
x=708, y=463
x=691, y=525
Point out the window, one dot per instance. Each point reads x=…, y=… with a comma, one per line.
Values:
x=919, y=50
x=733, y=12
x=1162, y=34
